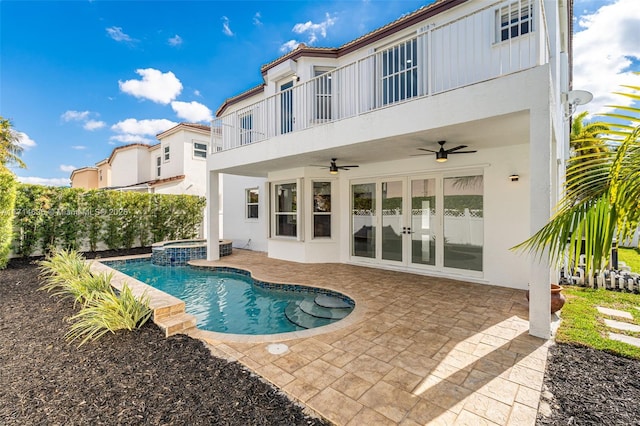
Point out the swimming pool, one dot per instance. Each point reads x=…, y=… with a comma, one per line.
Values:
x=232, y=302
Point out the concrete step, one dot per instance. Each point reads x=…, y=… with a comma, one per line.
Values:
x=177, y=323
x=311, y=308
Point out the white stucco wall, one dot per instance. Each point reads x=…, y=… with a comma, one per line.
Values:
x=236, y=226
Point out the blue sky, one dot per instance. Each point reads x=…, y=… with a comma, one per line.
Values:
x=78, y=78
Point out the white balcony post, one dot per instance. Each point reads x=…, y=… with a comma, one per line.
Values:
x=213, y=216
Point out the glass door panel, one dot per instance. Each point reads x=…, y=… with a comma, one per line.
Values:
x=363, y=220
x=286, y=107
x=463, y=222
x=392, y=220
x=423, y=221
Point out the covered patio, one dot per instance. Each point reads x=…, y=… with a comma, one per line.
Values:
x=416, y=350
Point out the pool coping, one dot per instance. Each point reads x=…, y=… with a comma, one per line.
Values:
x=168, y=310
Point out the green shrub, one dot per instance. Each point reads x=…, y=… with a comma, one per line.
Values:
x=109, y=312
x=67, y=274
x=7, y=205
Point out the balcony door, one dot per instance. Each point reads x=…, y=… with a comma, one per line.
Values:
x=286, y=107
x=430, y=222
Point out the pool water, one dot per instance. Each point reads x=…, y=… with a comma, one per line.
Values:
x=225, y=302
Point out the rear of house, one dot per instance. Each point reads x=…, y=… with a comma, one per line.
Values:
x=338, y=155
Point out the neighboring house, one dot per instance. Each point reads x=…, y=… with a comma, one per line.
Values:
x=175, y=165
x=490, y=75
x=85, y=178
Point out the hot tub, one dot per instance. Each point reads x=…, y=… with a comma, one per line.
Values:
x=179, y=252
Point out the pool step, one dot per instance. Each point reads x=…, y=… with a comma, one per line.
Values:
x=175, y=324
x=303, y=319
x=327, y=301
x=312, y=308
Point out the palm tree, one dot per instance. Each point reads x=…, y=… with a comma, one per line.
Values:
x=10, y=148
x=584, y=140
x=601, y=199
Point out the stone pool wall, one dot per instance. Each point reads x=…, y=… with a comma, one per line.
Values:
x=172, y=253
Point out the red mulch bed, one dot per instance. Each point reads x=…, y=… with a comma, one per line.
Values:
x=125, y=378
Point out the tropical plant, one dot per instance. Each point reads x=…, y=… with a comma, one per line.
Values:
x=585, y=141
x=7, y=205
x=109, y=312
x=10, y=148
x=601, y=199
x=67, y=274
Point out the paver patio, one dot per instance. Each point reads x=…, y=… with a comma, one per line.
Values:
x=416, y=350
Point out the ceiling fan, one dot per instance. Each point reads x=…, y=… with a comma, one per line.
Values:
x=333, y=167
x=442, y=154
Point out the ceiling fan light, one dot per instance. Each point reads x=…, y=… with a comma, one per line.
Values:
x=441, y=157
x=333, y=169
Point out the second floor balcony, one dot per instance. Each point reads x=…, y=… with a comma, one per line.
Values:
x=500, y=39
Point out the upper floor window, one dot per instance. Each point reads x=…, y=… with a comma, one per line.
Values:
x=200, y=149
x=399, y=72
x=246, y=128
x=100, y=175
x=514, y=20
x=322, y=90
x=321, y=209
x=252, y=197
x=167, y=153
x=158, y=166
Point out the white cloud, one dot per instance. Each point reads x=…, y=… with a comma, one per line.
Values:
x=75, y=115
x=67, y=168
x=313, y=30
x=192, y=111
x=25, y=141
x=44, y=181
x=197, y=93
x=257, y=19
x=117, y=34
x=604, y=45
x=78, y=147
x=113, y=140
x=92, y=125
x=226, y=30
x=176, y=40
x=289, y=46
x=131, y=126
x=155, y=85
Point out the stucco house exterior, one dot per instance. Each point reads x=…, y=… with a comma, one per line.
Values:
x=489, y=78
x=175, y=165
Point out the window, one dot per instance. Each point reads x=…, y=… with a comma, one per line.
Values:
x=514, y=20
x=322, y=90
x=158, y=166
x=252, y=203
x=286, y=108
x=286, y=210
x=321, y=209
x=246, y=128
x=399, y=72
x=199, y=149
x=100, y=175
x=166, y=153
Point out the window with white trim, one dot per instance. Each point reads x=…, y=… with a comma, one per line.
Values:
x=321, y=209
x=167, y=153
x=252, y=197
x=246, y=128
x=285, y=212
x=399, y=68
x=322, y=90
x=199, y=149
x=514, y=20
x=158, y=166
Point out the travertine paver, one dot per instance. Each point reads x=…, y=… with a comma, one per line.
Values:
x=625, y=339
x=416, y=350
x=619, y=325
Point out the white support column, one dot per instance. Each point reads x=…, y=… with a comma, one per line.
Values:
x=542, y=170
x=213, y=216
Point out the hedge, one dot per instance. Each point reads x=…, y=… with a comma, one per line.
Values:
x=7, y=202
x=48, y=218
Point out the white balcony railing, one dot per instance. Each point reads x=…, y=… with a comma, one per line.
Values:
x=440, y=58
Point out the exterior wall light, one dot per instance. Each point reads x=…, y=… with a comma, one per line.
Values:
x=514, y=177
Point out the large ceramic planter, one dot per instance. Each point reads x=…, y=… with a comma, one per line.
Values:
x=557, y=298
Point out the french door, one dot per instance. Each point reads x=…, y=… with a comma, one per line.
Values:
x=430, y=222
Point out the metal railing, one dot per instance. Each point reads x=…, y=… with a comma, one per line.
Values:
x=440, y=58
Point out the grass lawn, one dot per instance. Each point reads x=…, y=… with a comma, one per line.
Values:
x=630, y=256
x=583, y=324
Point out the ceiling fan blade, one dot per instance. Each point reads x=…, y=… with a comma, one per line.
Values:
x=318, y=165
x=455, y=149
x=345, y=167
x=418, y=155
x=462, y=152
x=425, y=149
